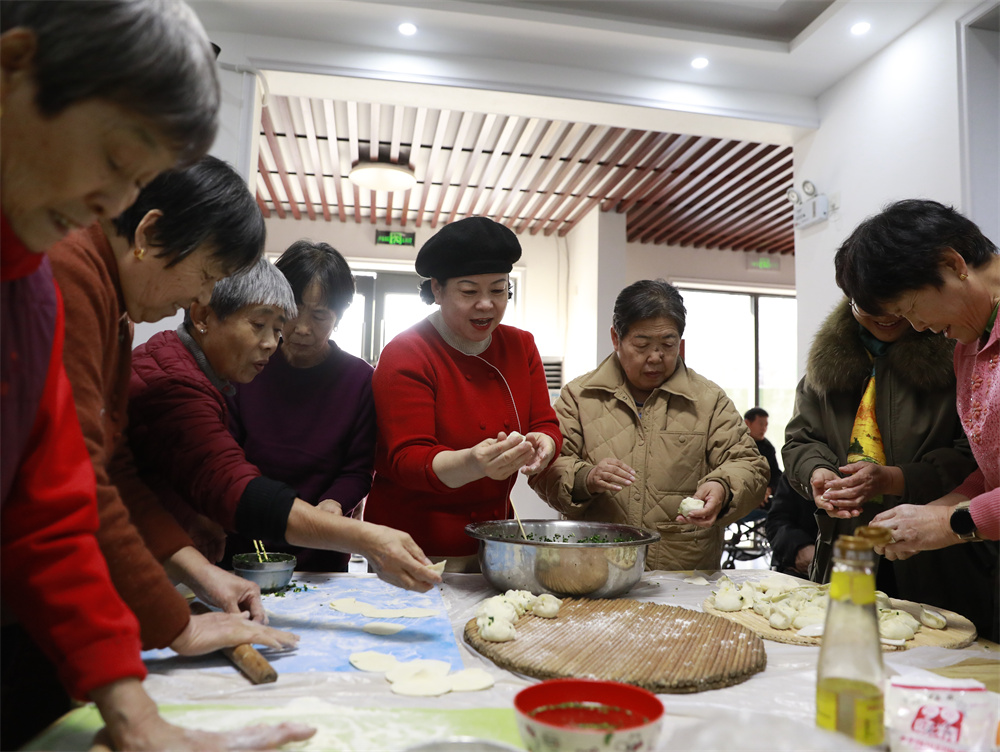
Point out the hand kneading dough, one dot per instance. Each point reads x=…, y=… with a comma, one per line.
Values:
x=369, y=660
x=382, y=628
x=689, y=505
x=470, y=680
x=546, y=606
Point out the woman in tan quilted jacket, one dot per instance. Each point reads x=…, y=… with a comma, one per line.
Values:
x=643, y=431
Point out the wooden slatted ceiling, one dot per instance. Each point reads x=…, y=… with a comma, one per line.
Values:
x=532, y=174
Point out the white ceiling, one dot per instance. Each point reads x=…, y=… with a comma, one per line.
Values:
x=790, y=48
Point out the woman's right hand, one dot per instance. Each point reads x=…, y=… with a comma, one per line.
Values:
x=206, y=633
x=503, y=456
x=397, y=559
x=821, y=476
x=609, y=475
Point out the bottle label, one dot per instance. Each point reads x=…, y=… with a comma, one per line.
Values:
x=851, y=707
x=857, y=587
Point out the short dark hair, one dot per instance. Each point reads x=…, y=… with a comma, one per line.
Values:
x=207, y=202
x=900, y=249
x=648, y=299
x=305, y=262
x=151, y=57
x=753, y=413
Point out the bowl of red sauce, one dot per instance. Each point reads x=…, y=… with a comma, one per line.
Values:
x=582, y=715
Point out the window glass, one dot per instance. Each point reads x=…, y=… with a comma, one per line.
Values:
x=778, y=364
x=350, y=332
x=402, y=310
x=719, y=342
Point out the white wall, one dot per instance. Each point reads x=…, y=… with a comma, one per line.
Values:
x=888, y=131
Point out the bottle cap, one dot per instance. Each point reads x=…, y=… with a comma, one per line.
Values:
x=853, y=548
x=878, y=536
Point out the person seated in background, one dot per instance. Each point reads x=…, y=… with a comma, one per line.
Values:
x=461, y=399
x=186, y=229
x=308, y=419
x=181, y=439
x=791, y=529
x=875, y=426
x=643, y=431
x=86, y=120
x=756, y=420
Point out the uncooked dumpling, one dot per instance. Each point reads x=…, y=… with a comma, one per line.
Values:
x=689, y=504
x=895, y=628
x=546, y=606
x=521, y=600
x=497, y=607
x=498, y=631
x=728, y=600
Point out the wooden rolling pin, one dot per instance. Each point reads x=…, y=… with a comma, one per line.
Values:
x=246, y=658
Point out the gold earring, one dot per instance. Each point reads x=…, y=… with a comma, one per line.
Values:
x=139, y=252
x=963, y=277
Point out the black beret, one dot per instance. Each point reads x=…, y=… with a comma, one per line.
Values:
x=475, y=245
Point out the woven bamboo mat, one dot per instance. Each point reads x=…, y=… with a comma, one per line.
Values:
x=957, y=634
x=660, y=648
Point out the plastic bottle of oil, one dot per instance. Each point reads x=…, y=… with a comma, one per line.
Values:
x=850, y=679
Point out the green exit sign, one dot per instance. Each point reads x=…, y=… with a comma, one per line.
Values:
x=385, y=237
x=763, y=263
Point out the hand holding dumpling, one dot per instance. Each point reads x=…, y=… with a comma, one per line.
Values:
x=544, y=448
x=713, y=494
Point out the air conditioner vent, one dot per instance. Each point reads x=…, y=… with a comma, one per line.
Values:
x=553, y=373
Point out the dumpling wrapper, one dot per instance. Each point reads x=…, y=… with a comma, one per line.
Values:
x=439, y=567
x=422, y=686
x=425, y=667
x=813, y=630
x=370, y=660
x=356, y=607
x=349, y=606
x=689, y=504
x=696, y=580
x=470, y=680
x=382, y=628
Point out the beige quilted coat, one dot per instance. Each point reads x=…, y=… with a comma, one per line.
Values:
x=689, y=432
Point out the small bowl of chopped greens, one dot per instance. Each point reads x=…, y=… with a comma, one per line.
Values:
x=272, y=572
x=562, y=557
x=585, y=715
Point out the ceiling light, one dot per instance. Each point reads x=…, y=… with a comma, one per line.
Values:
x=861, y=27
x=407, y=29
x=699, y=62
x=382, y=176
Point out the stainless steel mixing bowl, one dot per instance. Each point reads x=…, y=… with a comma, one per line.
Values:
x=562, y=557
x=272, y=574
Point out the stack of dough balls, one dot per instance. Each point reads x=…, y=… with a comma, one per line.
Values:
x=423, y=677
x=495, y=616
x=788, y=606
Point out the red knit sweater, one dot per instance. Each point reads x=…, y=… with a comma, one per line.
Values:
x=430, y=398
x=53, y=576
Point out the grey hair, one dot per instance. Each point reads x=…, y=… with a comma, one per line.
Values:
x=150, y=57
x=648, y=299
x=261, y=284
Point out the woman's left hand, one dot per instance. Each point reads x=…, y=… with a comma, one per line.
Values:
x=915, y=528
x=544, y=449
x=862, y=481
x=713, y=494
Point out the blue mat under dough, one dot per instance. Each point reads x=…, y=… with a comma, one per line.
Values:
x=328, y=637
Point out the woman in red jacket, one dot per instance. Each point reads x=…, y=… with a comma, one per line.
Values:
x=461, y=401
x=85, y=121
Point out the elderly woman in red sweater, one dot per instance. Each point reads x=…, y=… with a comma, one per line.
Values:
x=461, y=400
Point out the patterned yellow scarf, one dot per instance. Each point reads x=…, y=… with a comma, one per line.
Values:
x=866, y=439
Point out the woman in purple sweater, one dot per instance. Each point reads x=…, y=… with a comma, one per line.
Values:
x=308, y=419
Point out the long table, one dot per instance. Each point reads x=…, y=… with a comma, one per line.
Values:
x=773, y=710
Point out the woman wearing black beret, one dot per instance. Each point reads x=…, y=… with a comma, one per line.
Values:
x=461, y=401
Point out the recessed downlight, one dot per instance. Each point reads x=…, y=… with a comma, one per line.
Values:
x=861, y=27
x=407, y=29
x=699, y=62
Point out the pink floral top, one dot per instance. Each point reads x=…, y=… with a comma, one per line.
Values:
x=978, y=397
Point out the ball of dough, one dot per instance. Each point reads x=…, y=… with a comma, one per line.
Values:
x=689, y=504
